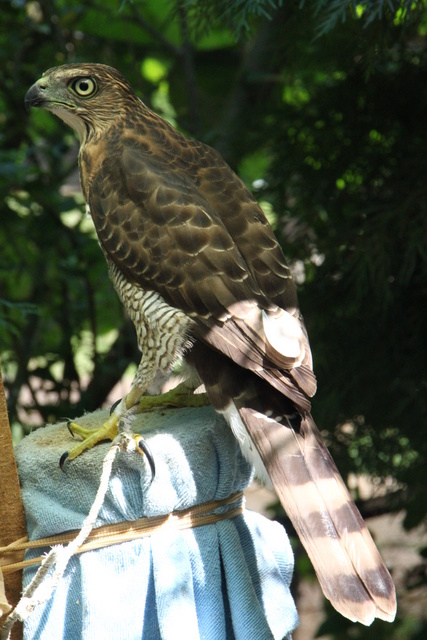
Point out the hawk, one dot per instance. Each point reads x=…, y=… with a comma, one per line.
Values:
x=201, y=274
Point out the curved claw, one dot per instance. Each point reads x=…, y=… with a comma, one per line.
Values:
x=62, y=460
x=146, y=449
x=69, y=428
x=114, y=405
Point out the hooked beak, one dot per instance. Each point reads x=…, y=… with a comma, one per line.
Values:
x=34, y=97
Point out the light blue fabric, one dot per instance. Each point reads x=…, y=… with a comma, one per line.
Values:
x=226, y=581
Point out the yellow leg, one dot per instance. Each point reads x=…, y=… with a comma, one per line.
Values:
x=179, y=396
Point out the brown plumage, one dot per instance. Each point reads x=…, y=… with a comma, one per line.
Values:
x=201, y=274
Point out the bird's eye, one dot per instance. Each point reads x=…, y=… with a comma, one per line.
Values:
x=84, y=87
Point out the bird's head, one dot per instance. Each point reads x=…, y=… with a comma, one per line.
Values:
x=85, y=96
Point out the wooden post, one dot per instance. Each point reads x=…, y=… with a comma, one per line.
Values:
x=12, y=518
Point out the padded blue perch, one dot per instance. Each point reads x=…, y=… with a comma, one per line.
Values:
x=223, y=581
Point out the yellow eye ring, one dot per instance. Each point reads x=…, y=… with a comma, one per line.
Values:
x=84, y=87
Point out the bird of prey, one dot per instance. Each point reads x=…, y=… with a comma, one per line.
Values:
x=201, y=274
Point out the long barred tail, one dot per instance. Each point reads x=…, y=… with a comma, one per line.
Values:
x=348, y=565
x=284, y=444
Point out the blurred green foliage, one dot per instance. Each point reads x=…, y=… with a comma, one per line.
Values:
x=321, y=108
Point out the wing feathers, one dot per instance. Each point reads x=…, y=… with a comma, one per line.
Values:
x=285, y=338
x=305, y=379
x=237, y=342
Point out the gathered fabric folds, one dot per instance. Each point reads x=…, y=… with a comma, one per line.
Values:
x=223, y=581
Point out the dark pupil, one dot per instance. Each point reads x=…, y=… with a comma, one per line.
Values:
x=84, y=85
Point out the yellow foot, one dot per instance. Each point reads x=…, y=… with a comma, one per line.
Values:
x=180, y=396
x=90, y=437
x=108, y=431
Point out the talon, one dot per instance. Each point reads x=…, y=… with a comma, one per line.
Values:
x=69, y=422
x=114, y=405
x=146, y=449
x=62, y=460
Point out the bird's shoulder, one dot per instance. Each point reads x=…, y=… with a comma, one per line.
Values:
x=175, y=202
